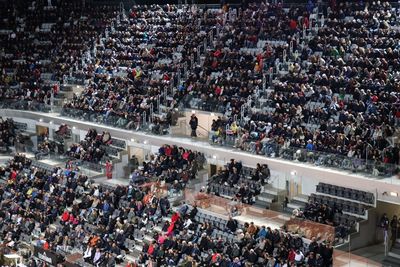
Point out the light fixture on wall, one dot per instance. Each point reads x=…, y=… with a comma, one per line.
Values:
x=214, y=156
x=394, y=194
x=73, y=127
x=145, y=142
x=193, y=111
x=51, y=122
x=212, y=114
x=133, y=139
x=293, y=173
x=41, y=120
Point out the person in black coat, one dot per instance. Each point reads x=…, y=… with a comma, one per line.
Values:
x=231, y=225
x=194, y=122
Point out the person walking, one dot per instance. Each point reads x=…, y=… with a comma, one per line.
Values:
x=194, y=122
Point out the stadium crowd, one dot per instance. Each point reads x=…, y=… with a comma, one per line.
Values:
x=130, y=81
x=337, y=95
x=320, y=101
x=91, y=148
x=7, y=133
x=335, y=90
x=43, y=43
x=61, y=210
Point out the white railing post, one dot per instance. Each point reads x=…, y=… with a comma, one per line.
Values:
x=271, y=73
x=171, y=86
x=166, y=94
x=264, y=85
x=185, y=70
x=284, y=56
x=144, y=118
x=198, y=54
x=291, y=48
x=241, y=113
x=158, y=104
x=151, y=113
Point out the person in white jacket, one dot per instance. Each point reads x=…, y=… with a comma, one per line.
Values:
x=299, y=257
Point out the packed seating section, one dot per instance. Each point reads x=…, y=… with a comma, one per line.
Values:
x=338, y=206
x=44, y=45
x=288, y=83
x=337, y=95
x=238, y=182
x=65, y=212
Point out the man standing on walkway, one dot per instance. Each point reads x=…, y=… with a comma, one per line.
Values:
x=109, y=169
x=194, y=122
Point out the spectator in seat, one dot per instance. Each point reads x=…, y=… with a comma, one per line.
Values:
x=62, y=130
x=231, y=225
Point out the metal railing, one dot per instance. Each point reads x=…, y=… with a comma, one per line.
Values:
x=372, y=168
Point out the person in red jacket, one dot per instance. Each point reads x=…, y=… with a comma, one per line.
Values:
x=150, y=250
x=168, y=151
x=293, y=24
x=46, y=245
x=292, y=254
x=175, y=217
x=170, y=229
x=13, y=175
x=109, y=169
x=65, y=216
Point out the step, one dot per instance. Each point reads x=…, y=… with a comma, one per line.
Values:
x=295, y=206
x=301, y=198
x=367, y=205
x=272, y=191
x=391, y=262
x=395, y=251
x=261, y=204
x=396, y=244
x=265, y=198
x=394, y=255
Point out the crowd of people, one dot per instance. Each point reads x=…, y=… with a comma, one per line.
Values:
x=241, y=185
x=62, y=210
x=91, y=148
x=184, y=241
x=43, y=42
x=338, y=94
x=44, y=205
x=7, y=133
x=131, y=80
x=331, y=80
x=175, y=165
